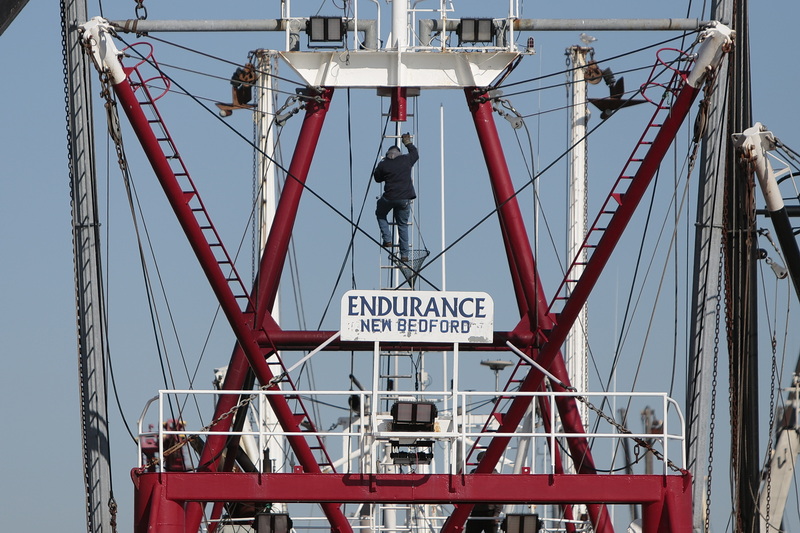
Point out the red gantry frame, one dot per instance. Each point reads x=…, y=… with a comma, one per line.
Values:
x=172, y=502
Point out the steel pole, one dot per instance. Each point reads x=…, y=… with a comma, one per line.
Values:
x=576, y=346
x=89, y=298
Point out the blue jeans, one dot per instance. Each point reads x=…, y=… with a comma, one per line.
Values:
x=402, y=212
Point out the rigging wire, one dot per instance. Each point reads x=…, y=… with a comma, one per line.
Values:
x=532, y=179
x=105, y=297
x=618, y=56
x=567, y=83
x=672, y=241
x=631, y=310
x=218, y=77
x=689, y=161
x=305, y=186
x=620, y=342
x=149, y=292
x=431, y=261
x=517, y=192
x=351, y=244
x=210, y=56
x=191, y=376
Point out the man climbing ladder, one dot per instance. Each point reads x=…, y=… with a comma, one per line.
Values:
x=394, y=171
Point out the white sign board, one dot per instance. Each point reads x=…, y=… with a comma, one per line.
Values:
x=417, y=316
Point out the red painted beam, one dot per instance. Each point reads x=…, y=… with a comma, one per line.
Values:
x=309, y=340
x=533, y=308
x=277, y=246
x=420, y=488
x=266, y=286
x=550, y=355
x=512, y=224
x=619, y=221
x=243, y=330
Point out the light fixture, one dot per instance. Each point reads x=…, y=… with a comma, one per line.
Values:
x=413, y=416
x=521, y=523
x=325, y=29
x=476, y=31
x=273, y=523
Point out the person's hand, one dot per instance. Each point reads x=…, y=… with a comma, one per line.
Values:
x=406, y=138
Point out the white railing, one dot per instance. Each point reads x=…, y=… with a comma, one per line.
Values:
x=440, y=16
x=363, y=432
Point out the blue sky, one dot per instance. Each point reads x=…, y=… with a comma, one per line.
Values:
x=41, y=478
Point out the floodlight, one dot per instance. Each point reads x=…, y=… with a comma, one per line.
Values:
x=476, y=31
x=273, y=523
x=325, y=29
x=521, y=523
x=413, y=416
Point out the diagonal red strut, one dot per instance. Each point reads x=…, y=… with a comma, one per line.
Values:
x=533, y=307
x=550, y=356
x=242, y=327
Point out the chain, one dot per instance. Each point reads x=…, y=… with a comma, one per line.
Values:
x=714, y=376
x=187, y=439
x=773, y=379
x=702, y=118
x=622, y=429
x=141, y=11
x=708, y=89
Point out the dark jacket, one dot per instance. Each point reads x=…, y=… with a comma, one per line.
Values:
x=395, y=174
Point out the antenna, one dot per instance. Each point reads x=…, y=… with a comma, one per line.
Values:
x=496, y=366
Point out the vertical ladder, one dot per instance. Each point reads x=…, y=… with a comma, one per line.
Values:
x=394, y=272
x=615, y=199
x=191, y=196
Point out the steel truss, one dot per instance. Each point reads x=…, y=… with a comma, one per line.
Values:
x=173, y=501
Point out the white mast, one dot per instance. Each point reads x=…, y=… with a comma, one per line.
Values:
x=575, y=352
x=399, y=38
x=266, y=186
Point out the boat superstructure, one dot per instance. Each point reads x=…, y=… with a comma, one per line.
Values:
x=415, y=449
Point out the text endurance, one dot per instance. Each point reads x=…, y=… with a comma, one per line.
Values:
x=417, y=316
